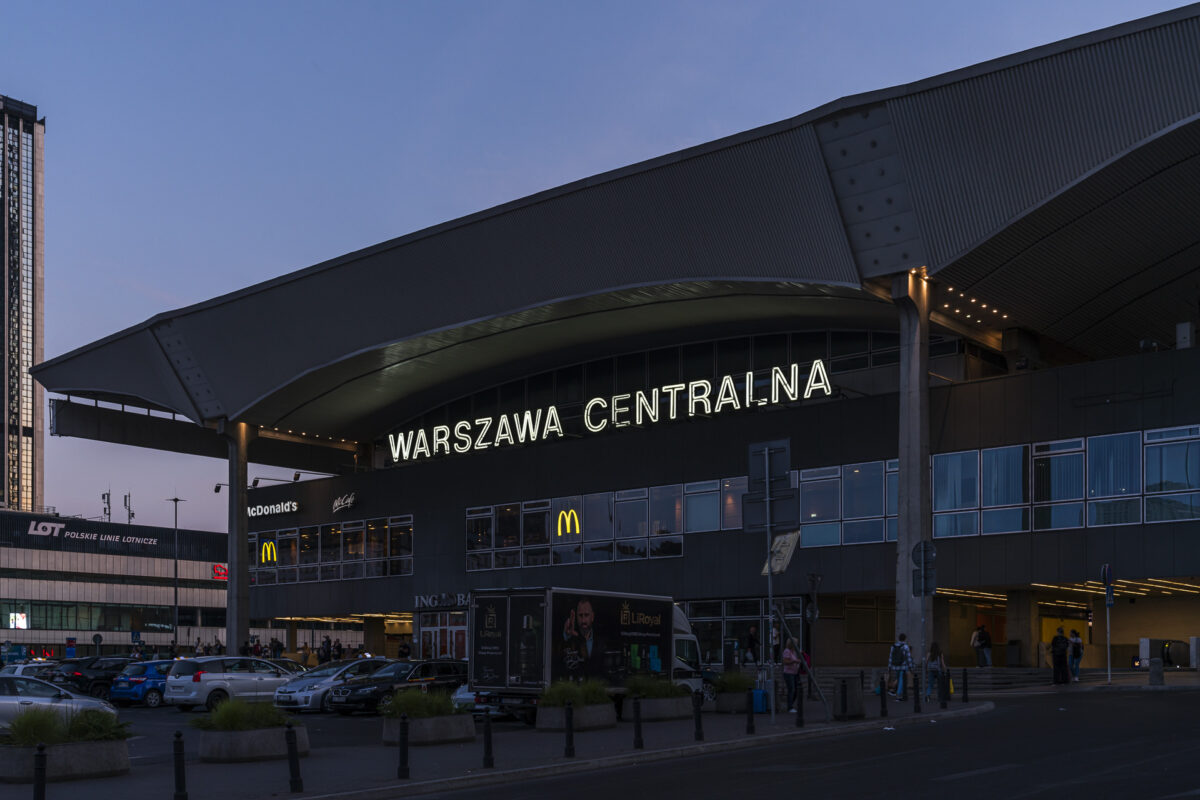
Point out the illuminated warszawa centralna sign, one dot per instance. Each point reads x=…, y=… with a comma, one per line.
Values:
x=643, y=407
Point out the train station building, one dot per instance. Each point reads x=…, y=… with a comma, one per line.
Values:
x=968, y=304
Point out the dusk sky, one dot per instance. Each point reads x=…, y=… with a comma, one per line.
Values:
x=195, y=149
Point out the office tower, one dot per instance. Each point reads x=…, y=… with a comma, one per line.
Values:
x=21, y=185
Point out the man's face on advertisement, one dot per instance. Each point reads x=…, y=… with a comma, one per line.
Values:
x=585, y=617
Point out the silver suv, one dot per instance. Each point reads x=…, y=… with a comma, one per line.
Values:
x=211, y=680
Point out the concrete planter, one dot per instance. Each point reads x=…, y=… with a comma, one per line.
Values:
x=656, y=708
x=586, y=718
x=731, y=702
x=432, y=730
x=66, y=762
x=264, y=744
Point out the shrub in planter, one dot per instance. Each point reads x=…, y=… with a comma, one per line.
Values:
x=432, y=719
x=731, y=691
x=660, y=698
x=90, y=744
x=591, y=706
x=238, y=730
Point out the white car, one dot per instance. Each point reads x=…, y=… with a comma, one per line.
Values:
x=310, y=691
x=211, y=680
x=30, y=669
x=18, y=693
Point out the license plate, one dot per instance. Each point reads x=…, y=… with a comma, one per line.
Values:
x=286, y=701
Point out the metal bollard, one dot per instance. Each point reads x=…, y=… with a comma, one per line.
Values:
x=943, y=688
x=296, y=783
x=749, y=711
x=488, y=761
x=964, y=684
x=843, y=690
x=916, y=685
x=402, y=768
x=180, y=774
x=637, y=724
x=569, y=750
x=39, y=773
x=697, y=701
x=883, y=697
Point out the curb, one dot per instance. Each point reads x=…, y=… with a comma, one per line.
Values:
x=488, y=778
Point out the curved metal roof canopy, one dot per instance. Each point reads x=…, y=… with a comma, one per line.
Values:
x=1055, y=185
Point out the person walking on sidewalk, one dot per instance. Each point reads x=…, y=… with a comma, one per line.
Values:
x=1059, y=647
x=791, y=672
x=935, y=666
x=981, y=640
x=900, y=663
x=1076, y=654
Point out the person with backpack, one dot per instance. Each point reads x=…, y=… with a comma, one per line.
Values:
x=1076, y=654
x=1059, y=647
x=900, y=663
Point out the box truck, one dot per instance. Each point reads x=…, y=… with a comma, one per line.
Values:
x=522, y=640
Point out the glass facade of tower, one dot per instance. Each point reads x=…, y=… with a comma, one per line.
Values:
x=21, y=185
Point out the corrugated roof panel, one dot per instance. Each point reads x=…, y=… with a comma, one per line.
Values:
x=981, y=151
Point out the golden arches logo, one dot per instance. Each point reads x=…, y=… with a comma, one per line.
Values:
x=269, y=552
x=566, y=518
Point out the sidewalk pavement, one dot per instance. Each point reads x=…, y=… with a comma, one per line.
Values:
x=1124, y=680
x=365, y=773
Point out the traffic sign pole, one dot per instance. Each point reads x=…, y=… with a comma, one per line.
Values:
x=1106, y=576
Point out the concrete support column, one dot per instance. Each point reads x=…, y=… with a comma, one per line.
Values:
x=291, y=645
x=374, y=639
x=914, y=615
x=1022, y=623
x=237, y=604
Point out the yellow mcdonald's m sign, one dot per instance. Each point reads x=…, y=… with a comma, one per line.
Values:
x=269, y=552
x=566, y=519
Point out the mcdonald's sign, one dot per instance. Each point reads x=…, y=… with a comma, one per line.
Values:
x=565, y=520
x=269, y=552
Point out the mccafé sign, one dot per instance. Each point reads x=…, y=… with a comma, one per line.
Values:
x=640, y=408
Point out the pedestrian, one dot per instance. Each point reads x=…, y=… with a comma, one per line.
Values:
x=337, y=649
x=750, y=651
x=1059, y=647
x=900, y=663
x=791, y=673
x=1076, y=653
x=405, y=649
x=981, y=640
x=935, y=668
x=775, y=642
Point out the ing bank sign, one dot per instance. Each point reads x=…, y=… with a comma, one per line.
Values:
x=641, y=408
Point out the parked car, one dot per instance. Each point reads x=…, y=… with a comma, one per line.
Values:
x=288, y=665
x=38, y=668
x=466, y=699
x=309, y=691
x=19, y=693
x=365, y=694
x=141, y=682
x=91, y=676
x=211, y=680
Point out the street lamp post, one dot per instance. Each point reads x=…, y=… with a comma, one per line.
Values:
x=175, y=627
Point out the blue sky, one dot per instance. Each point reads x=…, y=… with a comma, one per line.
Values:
x=194, y=149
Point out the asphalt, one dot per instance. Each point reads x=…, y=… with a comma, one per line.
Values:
x=362, y=768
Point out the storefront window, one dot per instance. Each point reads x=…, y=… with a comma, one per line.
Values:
x=861, y=531
x=535, y=522
x=598, y=518
x=1005, y=520
x=479, y=533
x=862, y=490
x=1114, y=465
x=1173, y=467
x=287, y=550
x=702, y=512
x=1066, y=515
x=508, y=525
x=630, y=549
x=1173, y=507
x=1127, y=511
x=400, y=531
x=352, y=541
x=819, y=501
x=377, y=539
x=666, y=546
x=1006, y=476
x=956, y=481
x=565, y=554
x=507, y=559
x=309, y=552
x=964, y=524
x=732, y=490
x=666, y=509
x=331, y=543
x=821, y=535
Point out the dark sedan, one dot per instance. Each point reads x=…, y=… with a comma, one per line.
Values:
x=90, y=676
x=365, y=694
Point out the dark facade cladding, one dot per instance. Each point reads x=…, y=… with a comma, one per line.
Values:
x=72, y=535
x=1125, y=395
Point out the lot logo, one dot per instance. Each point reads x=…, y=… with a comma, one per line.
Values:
x=344, y=502
x=566, y=519
x=45, y=528
x=220, y=572
x=630, y=617
x=269, y=553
